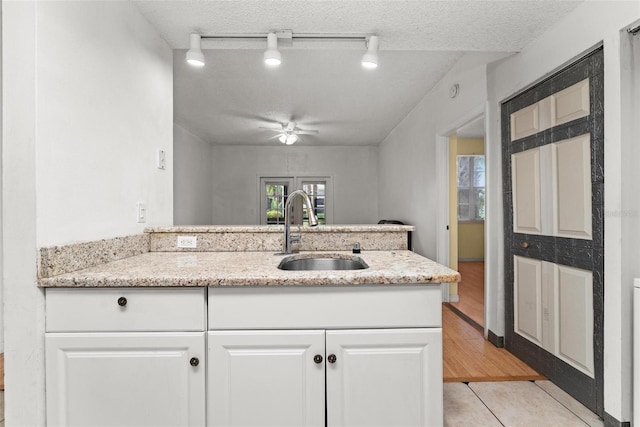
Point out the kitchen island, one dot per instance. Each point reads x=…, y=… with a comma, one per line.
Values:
x=217, y=338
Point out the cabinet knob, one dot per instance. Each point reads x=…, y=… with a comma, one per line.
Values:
x=524, y=245
x=332, y=358
x=317, y=358
x=194, y=361
x=122, y=301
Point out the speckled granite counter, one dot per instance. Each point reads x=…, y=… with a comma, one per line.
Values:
x=250, y=269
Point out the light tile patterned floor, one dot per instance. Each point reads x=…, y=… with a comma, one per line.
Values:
x=513, y=404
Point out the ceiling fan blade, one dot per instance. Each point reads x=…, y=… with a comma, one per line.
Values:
x=268, y=128
x=307, y=132
x=276, y=136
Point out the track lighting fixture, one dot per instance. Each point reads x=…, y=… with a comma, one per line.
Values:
x=272, y=54
x=195, y=56
x=370, y=59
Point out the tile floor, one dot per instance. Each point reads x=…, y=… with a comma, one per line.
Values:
x=513, y=403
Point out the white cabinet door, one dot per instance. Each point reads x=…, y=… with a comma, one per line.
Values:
x=384, y=377
x=125, y=379
x=266, y=378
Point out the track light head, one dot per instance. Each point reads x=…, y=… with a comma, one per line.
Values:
x=195, y=56
x=272, y=54
x=370, y=58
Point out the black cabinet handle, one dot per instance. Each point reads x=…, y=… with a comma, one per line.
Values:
x=194, y=361
x=122, y=301
x=332, y=358
x=317, y=358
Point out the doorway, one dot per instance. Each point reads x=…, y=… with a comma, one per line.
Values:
x=466, y=222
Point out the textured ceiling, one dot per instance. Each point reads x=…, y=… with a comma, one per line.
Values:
x=321, y=85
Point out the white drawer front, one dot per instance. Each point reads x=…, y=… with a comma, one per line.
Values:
x=104, y=310
x=325, y=307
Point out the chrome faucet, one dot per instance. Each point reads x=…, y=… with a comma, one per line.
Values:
x=313, y=220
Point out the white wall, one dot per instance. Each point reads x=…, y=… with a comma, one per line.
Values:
x=1, y=282
x=410, y=159
x=87, y=98
x=105, y=105
x=192, y=178
x=591, y=23
x=236, y=172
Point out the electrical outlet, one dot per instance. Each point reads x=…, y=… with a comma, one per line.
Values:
x=141, y=211
x=187, y=242
x=162, y=161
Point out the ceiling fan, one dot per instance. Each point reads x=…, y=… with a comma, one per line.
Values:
x=289, y=133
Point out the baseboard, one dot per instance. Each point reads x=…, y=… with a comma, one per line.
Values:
x=444, y=287
x=610, y=421
x=470, y=259
x=495, y=339
x=454, y=298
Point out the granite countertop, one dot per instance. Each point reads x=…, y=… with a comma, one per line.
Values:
x=251, y=269
x=342, y=228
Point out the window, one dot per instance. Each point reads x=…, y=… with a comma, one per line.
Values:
x=471, y=188
x=316, y=191
x=274, y=192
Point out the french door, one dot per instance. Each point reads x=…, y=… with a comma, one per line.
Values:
x=553, y=181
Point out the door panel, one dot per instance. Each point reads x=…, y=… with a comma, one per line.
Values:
x=528, y=298
x=525, y=122
x=373, y=380
x=572, y=187
x=570, y=103
x=125, y=379
x=574, y=334
x=266, y=378
x=526, y=192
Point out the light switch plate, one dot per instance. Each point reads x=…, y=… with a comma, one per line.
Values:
x=141, y=211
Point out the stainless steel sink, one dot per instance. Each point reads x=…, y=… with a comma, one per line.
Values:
x=322, y=262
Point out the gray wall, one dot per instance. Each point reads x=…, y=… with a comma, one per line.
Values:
x=236, y=172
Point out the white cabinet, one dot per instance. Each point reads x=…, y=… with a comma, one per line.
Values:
x=125, y=379
x=344, y=365
x=266, y=378
x=138, y=374
x=384, y=377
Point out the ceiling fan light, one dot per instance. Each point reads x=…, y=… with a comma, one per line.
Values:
x=288, y=138
x=195, y=56
x=370, y=58
x=272, y=54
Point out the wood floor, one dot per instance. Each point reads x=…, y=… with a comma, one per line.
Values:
x=471, y=291
x=468, y=357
